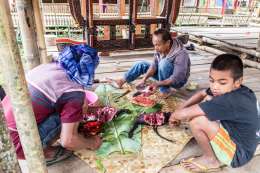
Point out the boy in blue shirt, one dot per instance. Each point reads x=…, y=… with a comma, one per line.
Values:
x=225, y=123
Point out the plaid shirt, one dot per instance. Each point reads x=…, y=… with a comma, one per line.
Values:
x=79, y=62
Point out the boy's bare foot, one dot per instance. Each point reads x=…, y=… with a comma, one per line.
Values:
x=201, y=164
x=116, y=83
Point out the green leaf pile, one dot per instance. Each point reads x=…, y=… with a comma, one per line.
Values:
x=115, y=133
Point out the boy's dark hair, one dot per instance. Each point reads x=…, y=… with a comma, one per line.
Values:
x=229, y=62
x=165, y=35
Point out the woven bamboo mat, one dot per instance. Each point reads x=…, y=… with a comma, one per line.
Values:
x=155, y=152
x=154, y=155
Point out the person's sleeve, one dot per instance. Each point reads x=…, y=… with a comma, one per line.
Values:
x=155, y=60
x=219, y=108
x=181, y=65
x=71, y=110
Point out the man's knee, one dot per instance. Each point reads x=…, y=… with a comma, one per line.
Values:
x=142, y=63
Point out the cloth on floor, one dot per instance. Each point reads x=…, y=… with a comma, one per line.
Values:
x=79, y=62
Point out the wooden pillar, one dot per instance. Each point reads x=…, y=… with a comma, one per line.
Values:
x=122, y=9
x=224, y=2
x=14, y=80
x=197, y=5
x=207, y=5
x=8, y=160
x=106, y=28
x=258, y=45
x=133, y=12
x=235, y=5
x=154, y=7
x=92, y=34
x=121, y=5
x=84, y=12
x=40, y=32
x=27, y=26
x=174, y=11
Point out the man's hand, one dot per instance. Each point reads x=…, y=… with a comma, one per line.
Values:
x=153, y=87
x=173, y=121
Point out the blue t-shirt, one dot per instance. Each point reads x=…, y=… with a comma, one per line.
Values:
x=237, y=112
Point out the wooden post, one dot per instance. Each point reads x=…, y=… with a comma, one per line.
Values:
x=224, y=2
x=8, y=160
x=197, y=5
x=121, y=5
x=235, y=5
x=27, y=27
x=14, y=79
x=40, y=32
x=154, y=7
x=92, y=36
x=174, y=11
x=133, y=12
x=84, y=12
x=258, y=45
x=207, y=5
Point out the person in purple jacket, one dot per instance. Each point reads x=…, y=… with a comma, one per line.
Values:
x=170, y=67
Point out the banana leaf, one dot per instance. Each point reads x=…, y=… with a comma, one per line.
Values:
x=115, y=132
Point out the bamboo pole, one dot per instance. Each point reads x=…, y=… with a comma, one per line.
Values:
x=14, y=79
x=8, y=160
x=240, y=49
x=258, y=45
x=27, y=26
x=247, y=62
x=40, y=32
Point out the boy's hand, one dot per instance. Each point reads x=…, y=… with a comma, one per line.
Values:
x=173, y=121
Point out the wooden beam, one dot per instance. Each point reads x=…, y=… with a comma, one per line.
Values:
x=40, y=32
x=29, y=39
x=14, y=79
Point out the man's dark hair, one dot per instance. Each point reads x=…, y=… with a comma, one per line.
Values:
x=165, y=35
x=229, y=62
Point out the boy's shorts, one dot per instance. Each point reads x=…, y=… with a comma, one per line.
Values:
x=223, y=146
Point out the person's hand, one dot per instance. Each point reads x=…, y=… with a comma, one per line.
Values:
x=153, y=87
x=141, y=84
x=173, y=121
x=94, y=142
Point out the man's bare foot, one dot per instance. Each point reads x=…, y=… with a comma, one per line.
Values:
x=117, y=83
x=202, y=163
x=94, y=142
